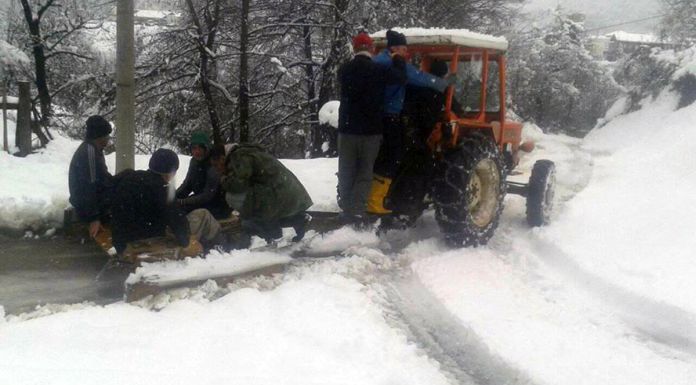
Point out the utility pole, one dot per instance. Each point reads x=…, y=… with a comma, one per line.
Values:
x=125, y=86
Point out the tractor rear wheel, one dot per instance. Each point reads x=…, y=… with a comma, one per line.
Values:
x=542, y=185
x=468, y=191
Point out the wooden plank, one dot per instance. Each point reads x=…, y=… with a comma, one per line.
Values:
x=5, y=107
x=23, y=134
x=140, y=290
x=8, y=106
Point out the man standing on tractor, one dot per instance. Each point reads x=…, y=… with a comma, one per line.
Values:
x=144, y=207
x=89, y=180
x=393, y=145
x=360, y=123
x=201, y=189
x=423, y=108
x=267, y=195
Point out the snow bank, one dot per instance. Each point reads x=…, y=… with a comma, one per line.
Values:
x=320, y=330
x=640, y=204
x=319, y=178
x=604, y=295
x=34, y=190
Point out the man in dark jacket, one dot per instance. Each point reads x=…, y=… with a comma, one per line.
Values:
x=89, y=180
x=143, y=206
x=266, y=194
x=201, y=188
x=360, y=122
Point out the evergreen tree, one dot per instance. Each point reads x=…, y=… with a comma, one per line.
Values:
x=555, y=82
x=679, y=22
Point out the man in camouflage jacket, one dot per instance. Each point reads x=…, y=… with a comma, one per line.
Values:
x=267, y=195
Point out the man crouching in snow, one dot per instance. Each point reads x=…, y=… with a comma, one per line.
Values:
x=89, y=180
x=143, y=207
x=267, y=195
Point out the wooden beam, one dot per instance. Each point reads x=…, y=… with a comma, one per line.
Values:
x=4, y=106
x=23, y=134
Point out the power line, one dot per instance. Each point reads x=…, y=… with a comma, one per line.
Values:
x=624, y=23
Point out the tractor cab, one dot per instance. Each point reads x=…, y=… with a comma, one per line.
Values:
x=479, y=94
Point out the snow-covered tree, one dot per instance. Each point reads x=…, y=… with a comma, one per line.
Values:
x=50, y=32
x=679, y=22
x=555, y=82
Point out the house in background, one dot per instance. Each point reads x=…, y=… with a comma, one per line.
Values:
x=152, y=17
x=614, y=45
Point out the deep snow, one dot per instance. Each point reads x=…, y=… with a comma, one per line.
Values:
x=603, y=295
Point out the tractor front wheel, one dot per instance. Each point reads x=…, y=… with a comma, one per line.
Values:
x=468, y=191
x=540, y=195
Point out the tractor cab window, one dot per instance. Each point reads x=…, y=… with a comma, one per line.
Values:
x=493, y=87
x=468, y=89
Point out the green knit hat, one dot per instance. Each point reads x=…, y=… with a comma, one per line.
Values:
x=200, y=139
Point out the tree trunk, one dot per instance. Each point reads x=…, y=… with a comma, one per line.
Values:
x=40, y=70
x=244, y=75
x=206, y=62
x=329, y=70
x=315, y=131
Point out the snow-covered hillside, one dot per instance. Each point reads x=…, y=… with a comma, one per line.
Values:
x=604, y=295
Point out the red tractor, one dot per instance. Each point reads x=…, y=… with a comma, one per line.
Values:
x=475, y=148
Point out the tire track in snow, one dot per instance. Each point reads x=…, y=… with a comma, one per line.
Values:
x=660, y=322
x=463, y=356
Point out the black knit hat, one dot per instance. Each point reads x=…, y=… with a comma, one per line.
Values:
x=97, y=127
x=439, y=68
x=395, y=38
x=164, y=161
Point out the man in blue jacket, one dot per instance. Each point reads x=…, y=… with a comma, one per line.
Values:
x=393, y=144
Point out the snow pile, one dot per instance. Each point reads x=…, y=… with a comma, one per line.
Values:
x=328, y=114
x=11, y=55
x=321, y=330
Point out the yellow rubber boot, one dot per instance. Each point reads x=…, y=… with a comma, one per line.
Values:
x=378, y=191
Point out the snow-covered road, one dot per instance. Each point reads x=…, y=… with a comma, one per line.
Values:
x=604, y=295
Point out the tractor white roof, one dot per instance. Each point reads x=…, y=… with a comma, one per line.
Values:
x=440, y=36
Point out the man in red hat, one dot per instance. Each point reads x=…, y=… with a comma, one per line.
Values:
x=360, y=123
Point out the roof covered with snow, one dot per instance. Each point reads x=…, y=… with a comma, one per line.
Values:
x=632, y=37
x=441, y=36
